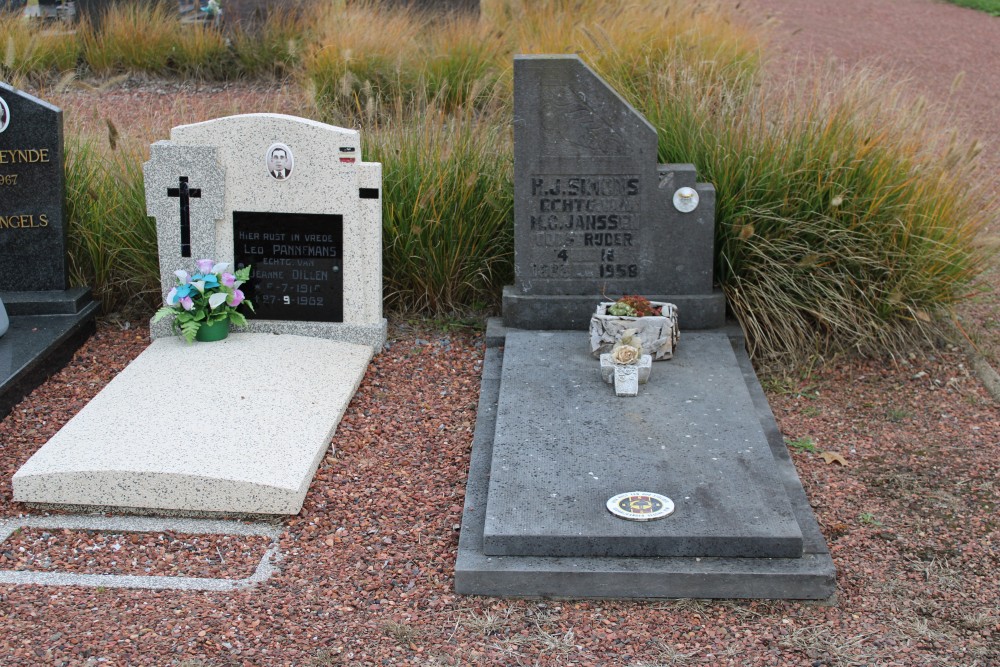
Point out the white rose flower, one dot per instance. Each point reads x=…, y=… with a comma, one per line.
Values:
x=625, y=354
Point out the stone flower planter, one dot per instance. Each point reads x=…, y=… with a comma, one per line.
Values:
x=659, y=333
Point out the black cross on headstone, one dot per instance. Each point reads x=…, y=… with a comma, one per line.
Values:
x=185, y=193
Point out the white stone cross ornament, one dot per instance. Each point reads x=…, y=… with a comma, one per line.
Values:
x=626, y=380
x=626, y=377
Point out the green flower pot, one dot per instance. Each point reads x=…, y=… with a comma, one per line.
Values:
x=208, y=333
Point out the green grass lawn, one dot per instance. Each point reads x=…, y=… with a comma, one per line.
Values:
x=988, y=6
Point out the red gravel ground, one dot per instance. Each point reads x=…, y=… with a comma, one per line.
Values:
x=166, y=554
x=367, y=577
x=911, y=519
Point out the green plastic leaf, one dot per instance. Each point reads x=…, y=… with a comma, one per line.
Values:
x=163, y=312
x=190, y=330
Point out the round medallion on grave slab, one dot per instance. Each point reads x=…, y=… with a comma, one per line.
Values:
x=686, y=199
x=640, y=506
x=4, y=115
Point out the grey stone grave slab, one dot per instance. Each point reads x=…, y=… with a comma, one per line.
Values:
x=47, y=319
x=596, y=217
x=809, y=576
x=564, y=445
x=593, y=211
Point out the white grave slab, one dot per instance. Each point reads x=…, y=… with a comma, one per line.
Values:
x=236, y=426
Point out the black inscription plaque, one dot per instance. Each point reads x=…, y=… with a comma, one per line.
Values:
x=298, y=264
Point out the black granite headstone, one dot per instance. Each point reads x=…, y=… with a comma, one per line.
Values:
x=32, y=188
x=298, y=264
x=594, y=213
x=48, y=320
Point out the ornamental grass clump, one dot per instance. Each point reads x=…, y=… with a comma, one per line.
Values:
x=131, y=37
x=847, y=215
x=210, y=295
x=27, y=49
x=111, y=240
x=447, y=214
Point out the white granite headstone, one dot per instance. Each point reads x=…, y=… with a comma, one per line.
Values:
x=289, y=196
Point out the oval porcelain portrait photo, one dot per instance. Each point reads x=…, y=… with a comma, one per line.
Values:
x=279, y=161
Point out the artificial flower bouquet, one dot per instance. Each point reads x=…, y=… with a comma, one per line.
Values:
x=211, y=295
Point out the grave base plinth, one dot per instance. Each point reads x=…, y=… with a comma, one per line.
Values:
x=548, y=312
x=372, y=334
x=46, y=328
x=535, y=522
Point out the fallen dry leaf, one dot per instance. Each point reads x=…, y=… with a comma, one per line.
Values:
x=833, y=457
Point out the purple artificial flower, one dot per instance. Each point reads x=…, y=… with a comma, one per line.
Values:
x=205, y=265
x=236, y=299
x=187, y=303
x=228, y=279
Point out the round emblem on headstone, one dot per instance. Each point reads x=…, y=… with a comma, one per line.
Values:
x=4, y=115
x=640, y=506
x=280, y=161
x=686, y=200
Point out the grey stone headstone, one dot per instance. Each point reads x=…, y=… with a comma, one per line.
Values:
x=593, y=211
x=32, y=194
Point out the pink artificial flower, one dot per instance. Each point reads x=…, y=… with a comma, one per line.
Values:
x=187, y=303
x=236, y=299
x=205, y=266
x=228, y=279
